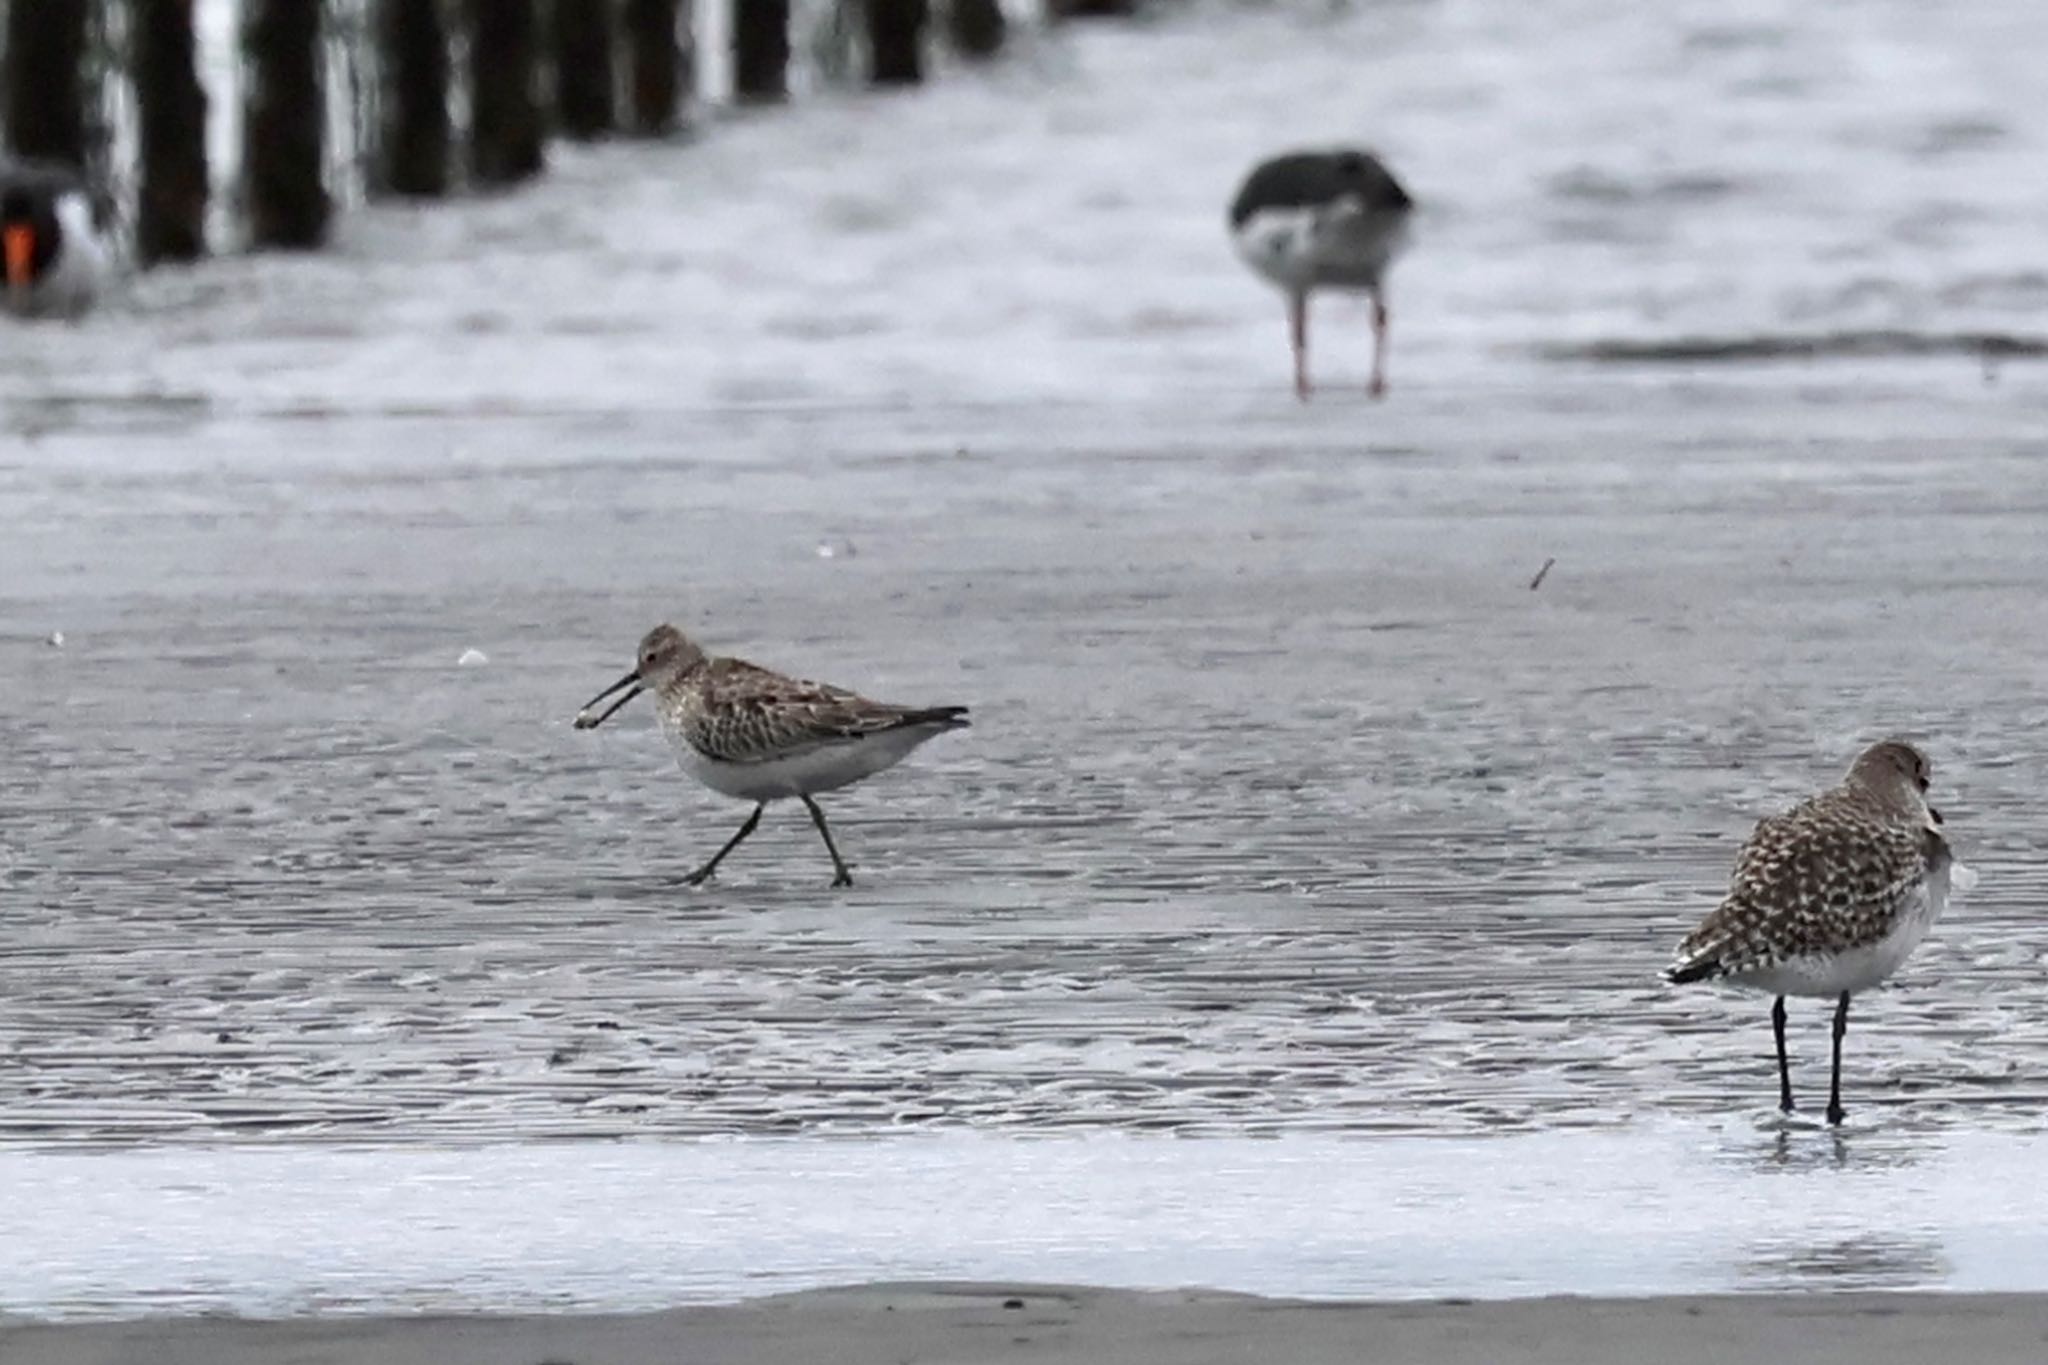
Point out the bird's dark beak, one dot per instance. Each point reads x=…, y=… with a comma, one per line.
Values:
x=586, y=721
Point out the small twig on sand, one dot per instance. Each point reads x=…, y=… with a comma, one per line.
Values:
x=1537, y=581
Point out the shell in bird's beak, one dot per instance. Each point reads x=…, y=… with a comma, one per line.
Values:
x=586, y=721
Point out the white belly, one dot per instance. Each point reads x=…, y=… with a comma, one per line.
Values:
x=822, y=768
x=1858, y=969
x=1303, y=248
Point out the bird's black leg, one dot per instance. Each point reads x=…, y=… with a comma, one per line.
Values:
x=841, y=877
x=1835, y=1086
x=697, y=878
x=1784, y=1063
x=1378, y=387
x=1297, y=337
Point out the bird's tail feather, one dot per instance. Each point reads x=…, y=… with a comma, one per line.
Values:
x=1691, y=970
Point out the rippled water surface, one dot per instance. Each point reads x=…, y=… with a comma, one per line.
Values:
x=1289, y=805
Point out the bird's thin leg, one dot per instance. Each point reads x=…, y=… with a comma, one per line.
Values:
x=1297, y=336
x=1378, y=387
x=1835, y=1085
x=841, y=877
x=697, y=878
x=1784, y=1063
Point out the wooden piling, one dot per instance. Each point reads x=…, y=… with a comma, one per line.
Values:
x=170, y=217
x=505, y=113
x=658, y=74
x=760, y=50
x=976, y=27
x=44, y=80
x=284, y=124
x=896, y=40
x=581, y=34
x=413, y=74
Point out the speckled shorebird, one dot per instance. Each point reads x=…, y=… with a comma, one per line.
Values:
x=745, y=731
x=50, y=244
x=1323, y=220
x=1830, y=897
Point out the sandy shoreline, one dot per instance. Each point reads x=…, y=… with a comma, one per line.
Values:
x=966, y=1323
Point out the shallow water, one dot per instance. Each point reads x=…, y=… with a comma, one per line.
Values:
x=588, y=1226
x=1289, y=807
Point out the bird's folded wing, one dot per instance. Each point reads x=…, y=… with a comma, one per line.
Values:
x=755, y=715
x=1815, y=879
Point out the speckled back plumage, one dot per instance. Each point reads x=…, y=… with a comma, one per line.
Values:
x=732, y=711
x=1833, y=873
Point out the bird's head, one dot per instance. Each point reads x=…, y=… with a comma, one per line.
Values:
x=1895, y=772
x=665, y=656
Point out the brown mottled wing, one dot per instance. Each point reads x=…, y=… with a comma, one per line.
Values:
x=1825, y=875
x=751, y=714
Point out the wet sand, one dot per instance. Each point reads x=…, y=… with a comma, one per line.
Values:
x=1286, y=797
x=966, y=1323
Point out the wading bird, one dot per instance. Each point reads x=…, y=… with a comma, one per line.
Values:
x=745, y=731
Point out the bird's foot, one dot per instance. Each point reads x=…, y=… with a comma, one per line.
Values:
x=843, y=878
x=1836, y=1114
x=697, y=878
x=1377, y=388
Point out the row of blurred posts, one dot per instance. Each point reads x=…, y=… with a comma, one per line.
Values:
x=583, y=68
